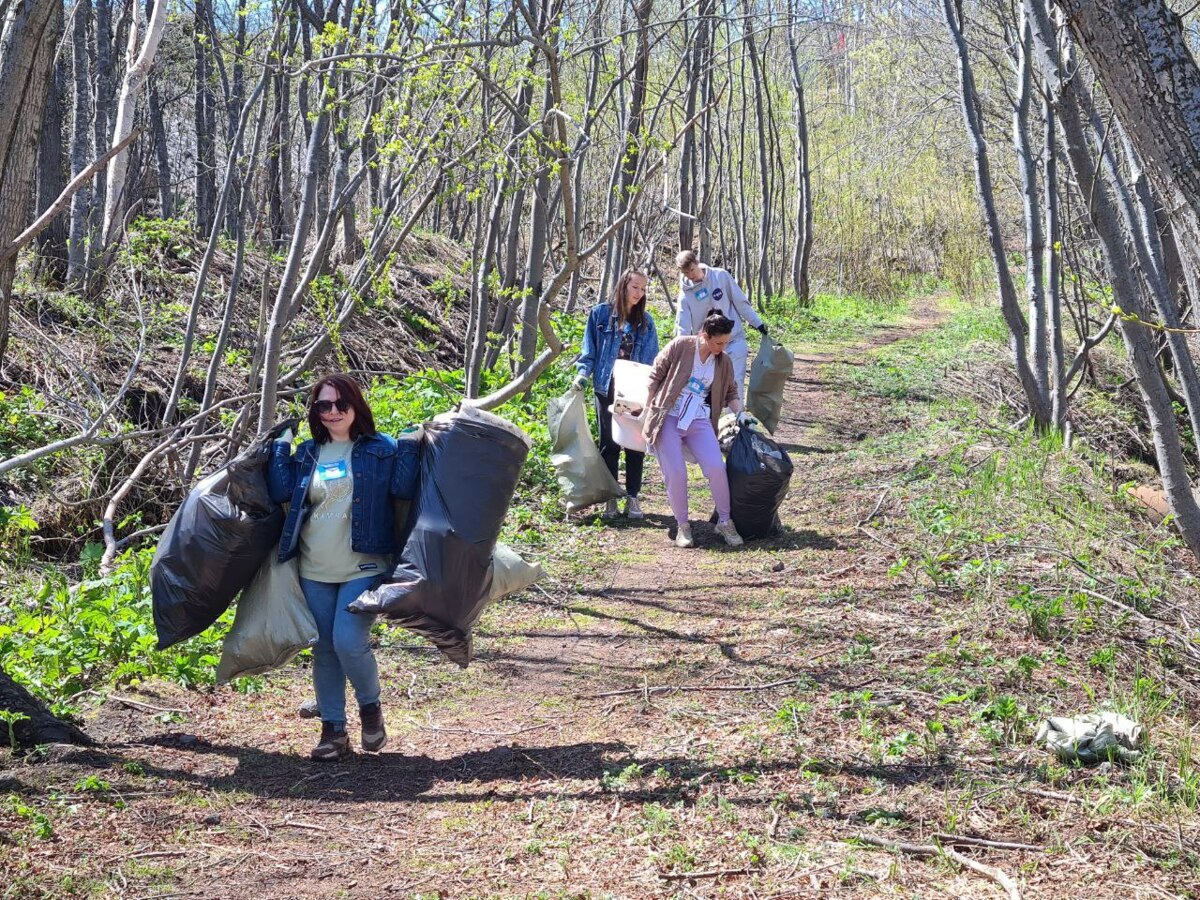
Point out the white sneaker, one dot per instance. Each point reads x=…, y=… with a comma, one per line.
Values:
x=683, y=537
x=610, y=510
x=728, y=531
x=633, y=509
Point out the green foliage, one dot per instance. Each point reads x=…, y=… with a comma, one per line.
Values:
x=153, y=240
x=64, y=640
x=10, y=719
x=23, y=423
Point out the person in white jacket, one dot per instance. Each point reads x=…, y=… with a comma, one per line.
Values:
x=703, y=288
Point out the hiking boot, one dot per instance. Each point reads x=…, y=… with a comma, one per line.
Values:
x=374, y=735
x=309, y=709
x=334, y=743
x=633, y=509
x=728, y=531
x=683, y=537
x=610, y=510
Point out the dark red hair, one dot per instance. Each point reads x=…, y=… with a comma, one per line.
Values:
x=347, y=389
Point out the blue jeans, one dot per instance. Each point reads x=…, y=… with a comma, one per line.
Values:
x=343, y=648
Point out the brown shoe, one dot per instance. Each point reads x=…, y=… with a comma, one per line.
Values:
x=334, y=743
x=374, y=735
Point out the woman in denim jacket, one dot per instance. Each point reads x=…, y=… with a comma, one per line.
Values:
x=341, y=524
x=620, y=328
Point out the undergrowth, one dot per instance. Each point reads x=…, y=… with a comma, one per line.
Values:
x=1039, y=568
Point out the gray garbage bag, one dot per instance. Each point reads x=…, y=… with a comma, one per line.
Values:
x=1093, y=738
x=769, y=373
x=470, y=463
x=582, y=475
x=510, y=573
x=215, y=544
x=273, y=622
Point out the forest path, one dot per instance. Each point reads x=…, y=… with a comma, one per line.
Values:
x=649, y=722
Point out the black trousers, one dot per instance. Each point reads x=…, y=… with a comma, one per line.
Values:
x=611, y=451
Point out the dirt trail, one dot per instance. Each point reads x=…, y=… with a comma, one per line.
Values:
x=653, y=722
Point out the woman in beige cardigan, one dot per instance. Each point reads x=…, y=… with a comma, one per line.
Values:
x=691, y=383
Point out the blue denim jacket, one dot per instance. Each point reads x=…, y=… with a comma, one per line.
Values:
x=384, y=469
x=602, y=341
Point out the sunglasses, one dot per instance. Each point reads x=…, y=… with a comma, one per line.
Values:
x=325, y=407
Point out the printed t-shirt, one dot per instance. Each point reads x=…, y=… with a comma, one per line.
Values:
x=325, y=539
x=691, y=404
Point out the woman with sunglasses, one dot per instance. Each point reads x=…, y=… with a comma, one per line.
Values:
x=341, y=524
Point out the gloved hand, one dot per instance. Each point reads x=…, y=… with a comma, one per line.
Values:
x=580, y=382
x=762, y=329
x=284, y=431
x=746, y=419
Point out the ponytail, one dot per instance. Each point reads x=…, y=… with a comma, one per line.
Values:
x=716, y=323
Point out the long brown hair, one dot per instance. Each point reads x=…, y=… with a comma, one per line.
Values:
x=637, y=314
x=347, y=389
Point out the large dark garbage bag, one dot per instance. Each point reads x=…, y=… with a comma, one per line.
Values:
x=759, y=473
x=470, y=463
x=214, y=545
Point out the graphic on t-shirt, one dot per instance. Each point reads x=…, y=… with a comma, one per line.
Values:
x=332, y=489
x=717, y=295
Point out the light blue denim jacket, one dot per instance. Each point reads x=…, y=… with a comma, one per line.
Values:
x=602, y=342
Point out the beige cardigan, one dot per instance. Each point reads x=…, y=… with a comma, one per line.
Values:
x=672, y=369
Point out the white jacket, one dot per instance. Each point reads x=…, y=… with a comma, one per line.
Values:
x=716, y=290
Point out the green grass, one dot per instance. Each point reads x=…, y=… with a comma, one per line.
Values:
x=1013, y=533
x=831, y=318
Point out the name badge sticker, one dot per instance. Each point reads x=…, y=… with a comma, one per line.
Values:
x=332, y=471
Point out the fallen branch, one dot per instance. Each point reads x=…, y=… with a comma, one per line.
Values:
x=981, y=842
x=689, y=688
x=146, y=707
x=703, y=873
x=935, y=850
x=64, y=198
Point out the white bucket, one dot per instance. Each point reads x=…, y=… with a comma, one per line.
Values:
x=627, y=430
x=631, y=385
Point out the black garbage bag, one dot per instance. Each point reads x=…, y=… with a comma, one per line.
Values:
x=215, y=544
x=759, y=473
x=470, y=463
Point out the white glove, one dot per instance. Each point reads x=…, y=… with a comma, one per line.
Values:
x=746, y=419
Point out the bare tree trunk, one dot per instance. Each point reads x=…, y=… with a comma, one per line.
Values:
x=629, y=152
x=79, y=230
x=136, y=72
x=52, y=178
x=27, y=46
x=162, y=157
x=535, y=266
x=1119, y=269
x=1141, y=58
x=804, y=205
x=1058, y=381
x=1039, y=409
x=40, y=726
x=1035, y=240
x=765, y=288
x=205, y=122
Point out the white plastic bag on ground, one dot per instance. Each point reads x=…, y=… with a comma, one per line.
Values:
x=772, y=367
x=272, y=624
x=1093, y=738
x=584, y=478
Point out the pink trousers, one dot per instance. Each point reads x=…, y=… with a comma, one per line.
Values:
x=702, y=441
